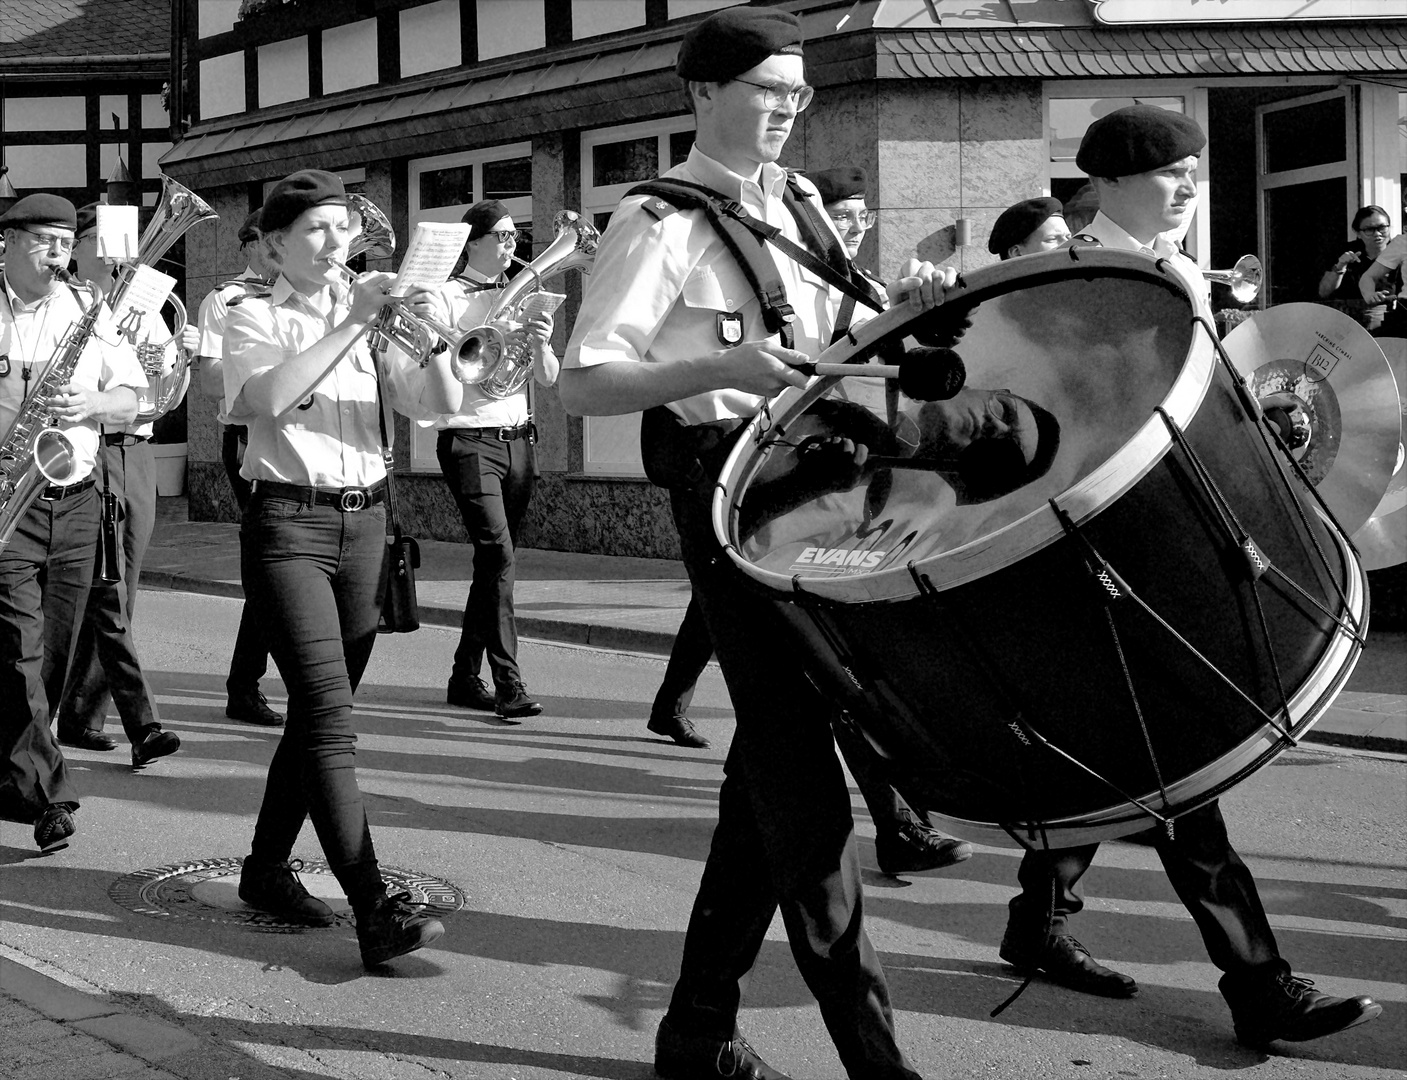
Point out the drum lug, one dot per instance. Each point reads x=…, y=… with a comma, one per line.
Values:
x=1255, y=559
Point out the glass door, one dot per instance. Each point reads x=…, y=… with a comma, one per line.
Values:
x=1307, y=184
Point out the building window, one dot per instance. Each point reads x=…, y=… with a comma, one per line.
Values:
x=442, y=188
x=507, y=27
x=216, y=16
x=46, y=114
x=283, y=72
x=349, y=56
x=613, y=160
x=47, y=168
x=430, y=38
x=593, y=17
x=682, y=9
x=222, y=85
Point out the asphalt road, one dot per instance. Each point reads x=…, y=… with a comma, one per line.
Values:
x=578, y=839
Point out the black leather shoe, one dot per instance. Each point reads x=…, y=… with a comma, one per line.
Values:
x=155, y=744
x=1289, y=1008
x=54, y=827
x=392, y=926
x=1064, y=960
x=253, y=709
x=706, y=1057
x=275, y=888
x=679, y=728
x=89, y=740
x=470, y=693
x=911, y=846
x=513, y=701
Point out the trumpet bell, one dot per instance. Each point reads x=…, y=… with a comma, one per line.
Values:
x=1244, y=279
x=479, y=355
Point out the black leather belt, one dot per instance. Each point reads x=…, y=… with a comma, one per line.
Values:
x=504, y=434
x=55, y=492
x=123, y=438
x=348, y=500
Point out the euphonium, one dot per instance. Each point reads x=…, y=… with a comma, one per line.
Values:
x=176, y=211
x=483, y=355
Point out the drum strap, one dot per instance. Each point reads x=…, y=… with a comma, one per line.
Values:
x=746, y=238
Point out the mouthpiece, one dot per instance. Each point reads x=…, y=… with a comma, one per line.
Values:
x=61, y=273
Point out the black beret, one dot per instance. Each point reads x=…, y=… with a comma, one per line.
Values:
x=87, y=218
x=249, y=231
x=848, y=182
x=1138, y=139
x=483, y=216
x=991, y=468
x=735, y=40
x=1019, y=221
x=298, y=192
x=40, y=210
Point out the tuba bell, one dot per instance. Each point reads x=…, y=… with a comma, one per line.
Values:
x=176, y=212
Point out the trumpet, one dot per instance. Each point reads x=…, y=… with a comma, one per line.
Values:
x=1243, y=279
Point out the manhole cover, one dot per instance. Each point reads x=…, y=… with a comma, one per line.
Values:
x=207, y=889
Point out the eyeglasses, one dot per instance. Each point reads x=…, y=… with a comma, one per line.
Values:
x=861, y=219
x=48, y=240
x=773, y=94
x=506, y=236
x=1383, y=228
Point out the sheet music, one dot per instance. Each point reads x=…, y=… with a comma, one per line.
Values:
x=540, y=303
x=117, y=232
x=431, y=254
x=138, y=314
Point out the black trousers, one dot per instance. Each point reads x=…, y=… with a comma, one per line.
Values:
x=688, y=657
x=318, y=573
x=105, y=664
x=1209, y=877
x=250, y=660
x=492, y=484
x=785, y=837
x=45, y=572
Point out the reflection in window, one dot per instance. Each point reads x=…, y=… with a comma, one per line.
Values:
x=510, y=178
x=625, y=162
x=447, y=187
x=1071, y=117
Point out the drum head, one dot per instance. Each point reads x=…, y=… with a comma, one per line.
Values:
x=1064, y=366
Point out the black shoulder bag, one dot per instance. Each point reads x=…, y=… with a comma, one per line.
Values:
x=400, y=613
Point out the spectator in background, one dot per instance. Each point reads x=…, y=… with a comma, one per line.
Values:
x=1380, y=280
x=1339, y=284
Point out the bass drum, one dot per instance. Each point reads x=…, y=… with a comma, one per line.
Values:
x=1083, y=595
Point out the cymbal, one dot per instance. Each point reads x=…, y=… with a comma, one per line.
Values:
x=1340, y=376
x=1382, y=539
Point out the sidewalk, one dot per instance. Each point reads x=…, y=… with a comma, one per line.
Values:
x=637, y=604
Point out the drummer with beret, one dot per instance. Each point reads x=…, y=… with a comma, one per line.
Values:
x=1141, y=160
x=843, y=192
x=670, y=327
x=299, y=370
x=47, y=564
x=1029, y=227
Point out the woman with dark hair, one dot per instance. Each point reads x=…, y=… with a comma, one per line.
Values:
x=299, y=372
x=1339, y=285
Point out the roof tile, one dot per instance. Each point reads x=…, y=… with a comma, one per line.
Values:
x=54, y=28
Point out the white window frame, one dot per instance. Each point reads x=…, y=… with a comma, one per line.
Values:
x=595, y=199
x=422, y=439
x=1194, y=101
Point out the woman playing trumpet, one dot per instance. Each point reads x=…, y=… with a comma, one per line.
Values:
x=298, y=370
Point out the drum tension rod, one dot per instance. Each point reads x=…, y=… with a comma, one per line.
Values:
x=1352, y=626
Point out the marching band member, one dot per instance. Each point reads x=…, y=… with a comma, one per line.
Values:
x=1028, y=228
x=299, y=372
x=668, y=325
x=250, y=659
x=105, y=661
x=1142, y=161
x=486, y=454
x=47, y=566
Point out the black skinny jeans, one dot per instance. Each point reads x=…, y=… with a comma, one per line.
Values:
x=315, y=574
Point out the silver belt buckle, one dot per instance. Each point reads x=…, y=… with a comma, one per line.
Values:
x=353, y=499
x=507, y=434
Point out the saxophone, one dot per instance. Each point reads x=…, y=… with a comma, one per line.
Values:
x=34, y=452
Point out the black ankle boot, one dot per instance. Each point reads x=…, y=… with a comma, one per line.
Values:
x=391, y=926
x=274, y=887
